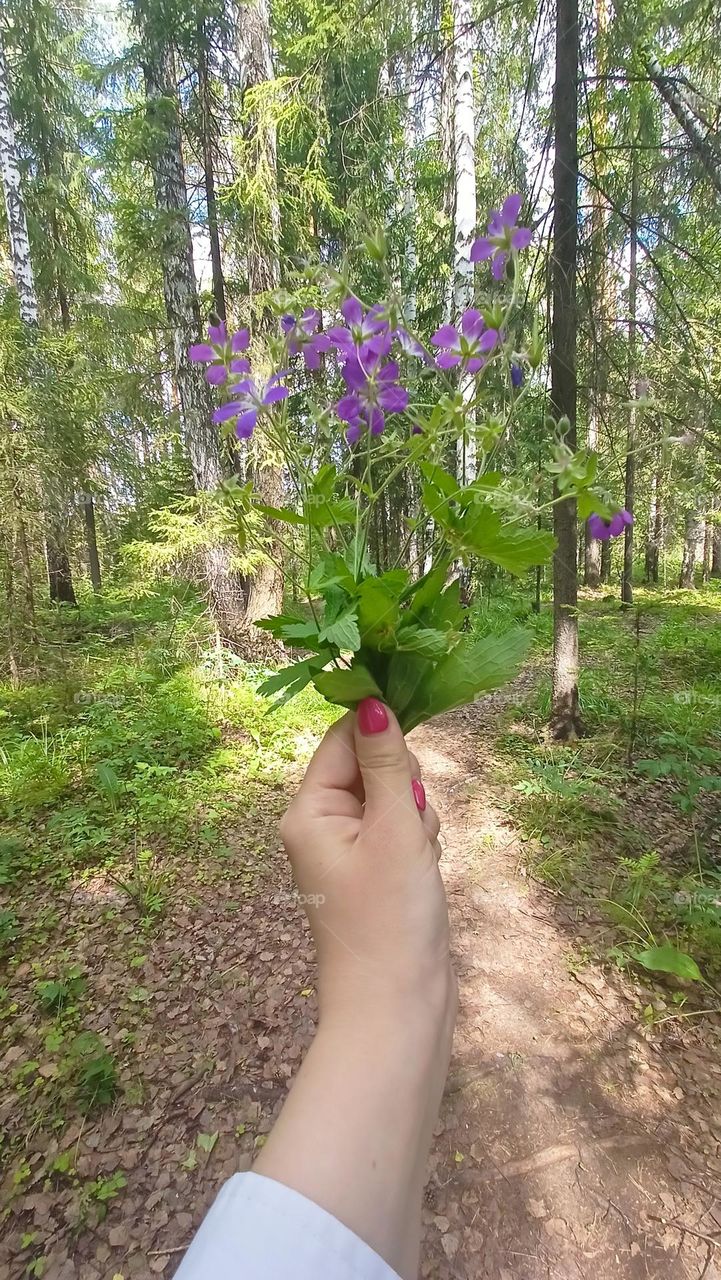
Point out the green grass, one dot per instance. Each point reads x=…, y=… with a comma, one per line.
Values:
x=582, y=807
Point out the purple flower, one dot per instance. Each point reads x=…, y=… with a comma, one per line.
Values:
x=248, y=401
x=365, y=333
x=504, y=235
x=303, y=337
x=516, y=376
x=470, y=347
x=412, y=346
x=373, y=391
x=219, y=353
x=605, y=529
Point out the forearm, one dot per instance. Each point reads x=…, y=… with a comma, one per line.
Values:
x=355, y=1131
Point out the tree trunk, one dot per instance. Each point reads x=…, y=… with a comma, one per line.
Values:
x=265, y=590
x=716, y=542
x=653, y=539
x=464, y=162
x=224, y=585
x=606, y=550
x=565, y=716
x=60, y=579
x=92, y=542
x=211, y=203
x=627, y=575
x=601, y=279
x=707, y=543
x=693, y=542
x=14, y=204
x=701, y=142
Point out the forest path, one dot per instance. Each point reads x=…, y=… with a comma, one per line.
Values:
x=571, y=1141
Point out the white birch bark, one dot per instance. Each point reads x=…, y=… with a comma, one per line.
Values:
x=464, y=154
x=14, y=204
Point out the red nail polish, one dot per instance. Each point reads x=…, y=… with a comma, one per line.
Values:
x=372, y=716
x=419, y=793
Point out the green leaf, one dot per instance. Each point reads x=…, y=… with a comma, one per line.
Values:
x=206, y=1141
x=340, y=620
x=473, y=667
x=324, y=513
x=668, y=959
x=293, y=678
x=284, y=514
x=378, y=608
x=348, y=686
x=441, y=480
x=331, y=570
x=276, y=624
x=426, y=641
x=510, y=546
x=428, y=587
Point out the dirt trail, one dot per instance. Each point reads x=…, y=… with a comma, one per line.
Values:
x=569, y=1144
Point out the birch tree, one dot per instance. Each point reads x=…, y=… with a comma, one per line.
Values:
x=164, y=145
x=464, y=167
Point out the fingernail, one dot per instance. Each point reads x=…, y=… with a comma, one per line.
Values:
x=419, y=793
x=372, y=716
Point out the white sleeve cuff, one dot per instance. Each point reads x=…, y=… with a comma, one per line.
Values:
x=258, y=1229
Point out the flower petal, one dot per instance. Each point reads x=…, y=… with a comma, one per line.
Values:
x=393, y=399
x=216, y=374
x=348, y=408
x=481, y=250
x=488, y=340
x=245, y=425
x=376, y=421
x=340, y=337
x=202, y=351
x=310, y=319
x=240, y=365
x=510, y=211
x=472, y=323
x=521, y=238
x=474, y=364
x=321, y=342
x=287, y=323
x=351, y=310
x=495, y=223
x=229, y=410
x=498, y=265
x=446, y=336
x=389, y=372
x=274, y=393
x=448, y=360
x=354, y=375
x=599, y=528
x=218, y=334
x=240, y=340
x=311, y=356
x=353, y=434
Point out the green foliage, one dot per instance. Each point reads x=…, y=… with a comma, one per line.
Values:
x=93, y=1070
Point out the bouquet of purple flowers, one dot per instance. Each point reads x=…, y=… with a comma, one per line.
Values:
x=398, y=633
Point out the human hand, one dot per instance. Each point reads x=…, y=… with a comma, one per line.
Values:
x=363, y=844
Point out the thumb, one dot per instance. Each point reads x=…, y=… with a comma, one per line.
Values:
x=382, y=757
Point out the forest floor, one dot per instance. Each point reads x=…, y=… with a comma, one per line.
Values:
x=580, y=1132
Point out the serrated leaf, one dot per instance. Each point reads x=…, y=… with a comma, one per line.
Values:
x=441, y=480
x=347, y=687
x=323, y=513
x=511, y=546
x=426, y=641
x=668, y=959
x=343, y=631
x=286, y=515
x=472, y=668
x=331, y=570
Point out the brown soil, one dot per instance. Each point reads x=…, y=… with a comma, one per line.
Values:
x=572, y=1141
